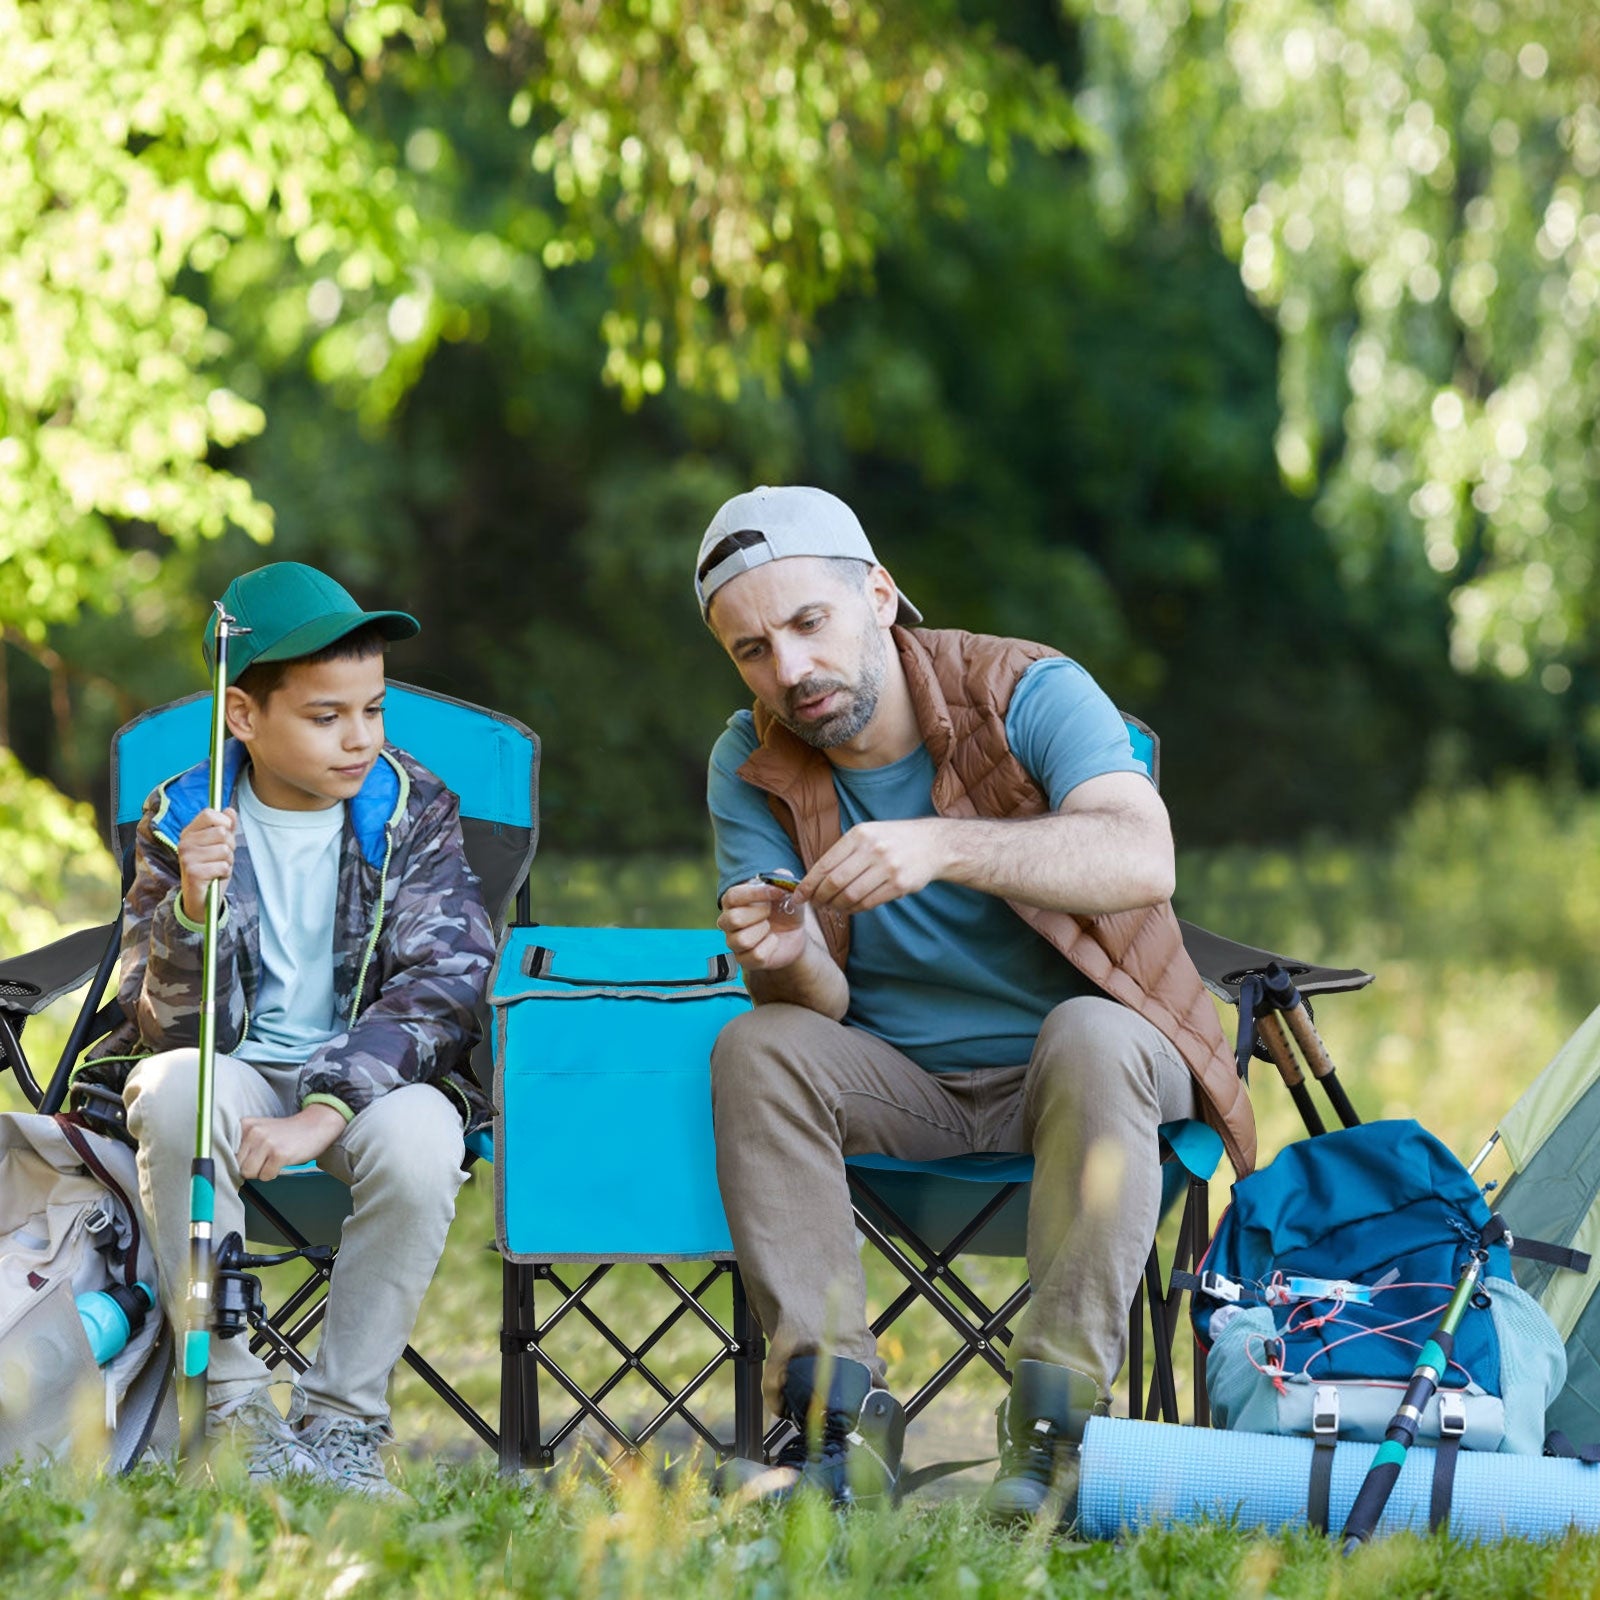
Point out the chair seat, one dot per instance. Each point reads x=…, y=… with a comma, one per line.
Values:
x=308, y=1199
x=937, y=1211
x=315, y=1204
x=1196, y=1145
x=965, y=1169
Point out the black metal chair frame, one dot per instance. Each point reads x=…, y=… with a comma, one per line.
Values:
x=524, y=1357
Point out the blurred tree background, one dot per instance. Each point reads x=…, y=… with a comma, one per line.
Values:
x=1245, y=351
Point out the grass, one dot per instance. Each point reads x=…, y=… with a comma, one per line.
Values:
x=471, y=1534
x=1481, y=916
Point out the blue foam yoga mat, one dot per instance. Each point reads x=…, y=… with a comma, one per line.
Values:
x=1136, y=1474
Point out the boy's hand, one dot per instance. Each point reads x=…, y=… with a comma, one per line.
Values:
x=764, y=925
x=269, y=1144
x=205, y=855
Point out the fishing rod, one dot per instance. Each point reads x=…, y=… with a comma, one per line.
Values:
x=1432, y=1364
x=196, y=1346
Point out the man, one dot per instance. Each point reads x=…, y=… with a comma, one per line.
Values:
x=980, y=956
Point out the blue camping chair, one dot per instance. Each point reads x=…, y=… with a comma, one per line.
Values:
x=491, y=761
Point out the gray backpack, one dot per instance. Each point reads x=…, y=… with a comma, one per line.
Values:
x=70, y=1225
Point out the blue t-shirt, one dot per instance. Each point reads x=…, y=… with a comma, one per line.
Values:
x=952, y=977
x=295, y=855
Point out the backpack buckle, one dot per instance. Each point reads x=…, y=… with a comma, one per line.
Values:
x=1325, y=1410
x=1219, y=1287
x=1452, y=1414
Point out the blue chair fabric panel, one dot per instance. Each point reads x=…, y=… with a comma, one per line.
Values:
x=153, y=747
x=603, y=1140
x=1146, y=747
x=489, y=760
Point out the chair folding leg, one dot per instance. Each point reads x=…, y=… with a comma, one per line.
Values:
x=1135, y=1364
x=520, y=1444
x=983, y=1332
x=747, y=1369
x=1163, y=1385
x=1160, y=1400
x=1197, y=1217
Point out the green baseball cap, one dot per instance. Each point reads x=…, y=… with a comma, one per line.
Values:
x=292, y=610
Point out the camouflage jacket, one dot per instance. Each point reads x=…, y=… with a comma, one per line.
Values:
x=412, y=942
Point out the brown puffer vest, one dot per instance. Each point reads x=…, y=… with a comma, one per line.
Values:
x=961, y=686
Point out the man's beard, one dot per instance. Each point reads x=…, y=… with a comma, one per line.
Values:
x=860, y=699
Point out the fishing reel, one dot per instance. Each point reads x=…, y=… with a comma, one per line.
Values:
x=236, y=1291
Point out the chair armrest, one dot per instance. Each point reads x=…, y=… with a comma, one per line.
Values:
x=31, y=982
x=1224, y=964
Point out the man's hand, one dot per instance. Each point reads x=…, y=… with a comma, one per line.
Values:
x=763, y=936
x=205, y=855
x=876, y=862
x=269, y=1144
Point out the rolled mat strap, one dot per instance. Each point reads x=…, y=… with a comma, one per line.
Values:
x=1445, y=1455
x=1138, y=1474
x=1317, y=1491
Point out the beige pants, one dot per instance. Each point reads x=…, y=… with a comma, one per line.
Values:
x=401, y=1158
x=794, y=1093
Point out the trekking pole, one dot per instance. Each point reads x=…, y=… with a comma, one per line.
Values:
x=1271, y=1032
x=1432, y=1364
x=196, y=1347
x=1289, y=1001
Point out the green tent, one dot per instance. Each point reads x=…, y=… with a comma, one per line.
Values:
x=1552, y=1136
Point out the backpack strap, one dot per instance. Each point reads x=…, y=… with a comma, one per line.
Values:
x=1325, y=1437
x=129, y=1265
x=1252, y=992
x=1555, y=1255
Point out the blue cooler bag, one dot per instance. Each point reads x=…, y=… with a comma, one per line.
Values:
x=602, y=1051
x=1330, y=1268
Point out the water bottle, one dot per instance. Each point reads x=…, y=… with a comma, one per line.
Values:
x=112, y=1316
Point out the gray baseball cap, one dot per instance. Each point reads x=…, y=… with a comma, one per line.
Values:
x=769, y=524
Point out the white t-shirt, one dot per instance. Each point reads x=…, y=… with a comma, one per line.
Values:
x=296, y=859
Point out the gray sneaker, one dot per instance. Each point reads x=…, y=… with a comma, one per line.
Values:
x=256, y=1432
x=346, y=1454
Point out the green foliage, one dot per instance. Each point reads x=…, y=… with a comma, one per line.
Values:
x=139, y=147
x=58, y=873
x=58, y=877
x=1412, y=191
x=740, y=164
x=151, y=163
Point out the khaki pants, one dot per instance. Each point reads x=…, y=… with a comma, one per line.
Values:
x=401, y=1157
x=794, y=1093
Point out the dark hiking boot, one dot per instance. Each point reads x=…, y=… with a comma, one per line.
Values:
x=1041, y=1425
x=846, y=1444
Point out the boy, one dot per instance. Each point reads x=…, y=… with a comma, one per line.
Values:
x=352, y=953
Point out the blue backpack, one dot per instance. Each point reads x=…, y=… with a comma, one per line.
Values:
x=1328, y=1271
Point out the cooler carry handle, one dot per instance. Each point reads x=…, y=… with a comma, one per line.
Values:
x=539, y=962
